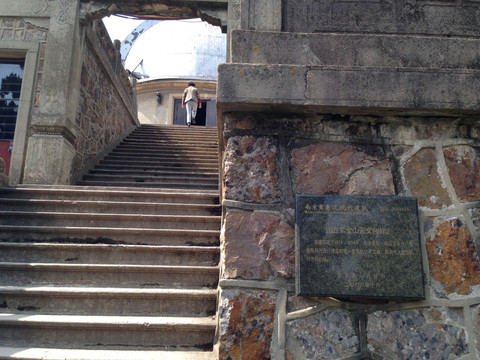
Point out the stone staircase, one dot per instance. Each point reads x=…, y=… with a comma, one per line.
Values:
x=123, y=266
x=167, y=157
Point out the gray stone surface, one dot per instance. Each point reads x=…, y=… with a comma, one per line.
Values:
x=398, y=51
x=340, y=169
x=40, y=169
x=417, y=334
x=347, y=90
x=356, y=246
x=327, y=335
x=250, y=171
x=403, y=16
x=261, y=14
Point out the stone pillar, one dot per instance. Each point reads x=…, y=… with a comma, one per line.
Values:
x=261, y=15
x=49, y=159
x=49, y=153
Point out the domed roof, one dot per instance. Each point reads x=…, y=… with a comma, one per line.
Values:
x=176, y=49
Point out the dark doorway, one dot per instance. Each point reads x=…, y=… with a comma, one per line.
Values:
x=205, y=116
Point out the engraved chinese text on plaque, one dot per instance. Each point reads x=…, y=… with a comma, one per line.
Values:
x=358, y=246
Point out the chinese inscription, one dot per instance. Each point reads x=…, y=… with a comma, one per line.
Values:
x=358, y=246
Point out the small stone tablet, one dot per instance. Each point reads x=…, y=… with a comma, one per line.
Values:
x=358, y=246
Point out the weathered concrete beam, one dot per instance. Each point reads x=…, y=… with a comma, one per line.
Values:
x=212, y=11
x=400, y=51
x=169, y=9
x=448, y=18
x=372, y=90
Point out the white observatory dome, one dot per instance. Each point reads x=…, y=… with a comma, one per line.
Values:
x=175, y=49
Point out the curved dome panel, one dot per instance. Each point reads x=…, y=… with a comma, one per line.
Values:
x=180, y=48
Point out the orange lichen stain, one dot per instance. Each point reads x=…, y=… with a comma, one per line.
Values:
x=250, y=327
x=241, y=72
x=435, y=314
x=255, y=48
x=453, y=259
x=292, y=71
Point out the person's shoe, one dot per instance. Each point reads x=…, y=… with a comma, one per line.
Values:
x=188, y=124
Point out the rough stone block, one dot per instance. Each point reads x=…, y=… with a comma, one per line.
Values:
x=452, y=257
x=417, y=334
x=475, y=214
x=330, y=334
x=258, y=246
x=463, y=163
x=334, y=168
x=476, y=324
x=247, y=324
x=424, y=181
x=250, y=170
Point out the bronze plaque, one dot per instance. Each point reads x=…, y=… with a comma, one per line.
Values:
x=358, y=246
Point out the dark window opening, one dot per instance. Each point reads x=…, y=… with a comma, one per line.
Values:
x=11, y=75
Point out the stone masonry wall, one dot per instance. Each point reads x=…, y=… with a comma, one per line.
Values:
x=103, y=116
x=268, y=160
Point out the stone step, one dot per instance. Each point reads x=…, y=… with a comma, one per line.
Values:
x=30, y=300
x=177, y=142
x=108, y=275
x=101, y=193
x=95, y=235
x=184, y=154
x=109, y=254
x=111, y=332
x=168, y=168
x=194, y=132
x=34, y=218
x=166, y=147
x=33, y=353
x=161, y=143
x=182, y=128
x=174, y=137
x=181, y=179
x=172, y=184
x=188, y=158
x=157, y=173
x=126, y=207
x=153, y=163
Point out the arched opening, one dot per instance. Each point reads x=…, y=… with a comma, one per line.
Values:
x=163, y=48
x=163, y=56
